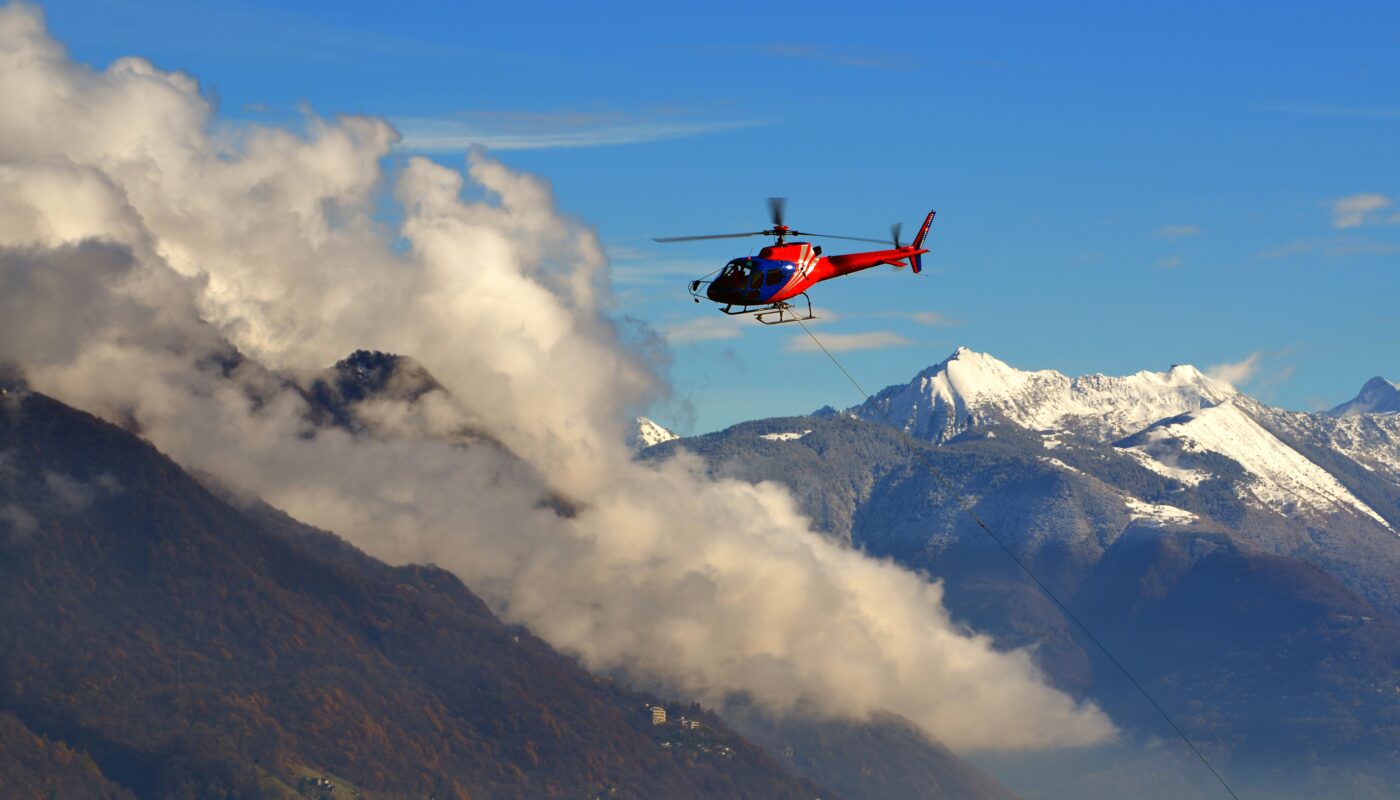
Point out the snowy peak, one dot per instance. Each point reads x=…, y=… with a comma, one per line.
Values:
x=1175, y=423
x=970, y=387
x=966, y=375
x=1378, y=396
x=646, y=433
x=1275, y=475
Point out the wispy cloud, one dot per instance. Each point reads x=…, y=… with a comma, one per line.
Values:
x=1174, y=232
x=1259, y=371
x=845, y=342
x=704, y=329
x=1236, y=373
x=933, y=319
x=518, y=131
x=1171, y=262
x=1337, y=111
x=1365, y=208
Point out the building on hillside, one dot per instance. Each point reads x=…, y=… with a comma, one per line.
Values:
x=658, y=715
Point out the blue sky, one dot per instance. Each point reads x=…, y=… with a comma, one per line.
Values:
x=1119, y=186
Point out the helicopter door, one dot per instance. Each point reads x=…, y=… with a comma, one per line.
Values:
x=755, y=285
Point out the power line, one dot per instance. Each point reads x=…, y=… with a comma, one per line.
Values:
x=966, y=506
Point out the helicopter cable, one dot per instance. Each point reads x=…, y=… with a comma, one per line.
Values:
x=967, y=507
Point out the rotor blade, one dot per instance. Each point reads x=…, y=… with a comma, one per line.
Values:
x=713, y=236
x=834, y=236
x=776, y=207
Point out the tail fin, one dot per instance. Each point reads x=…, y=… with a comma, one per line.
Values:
x=917, y=262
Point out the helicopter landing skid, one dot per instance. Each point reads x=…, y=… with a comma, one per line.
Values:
x=777, y=313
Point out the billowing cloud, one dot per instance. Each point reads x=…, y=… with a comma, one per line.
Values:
x=1362, y=209
x=844, y=342
x=157, y=270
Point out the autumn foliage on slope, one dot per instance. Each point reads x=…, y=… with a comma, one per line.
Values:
x=177, y=646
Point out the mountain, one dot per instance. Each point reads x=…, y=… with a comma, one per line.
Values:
x=1378, y=396
x=1304, y=485
x=883, y=758
x=968, y=389
x=646, y=433
x=343, y=394
x=161, y=642
x=1242, y=561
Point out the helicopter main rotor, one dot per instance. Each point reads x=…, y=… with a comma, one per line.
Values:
x=776, y=208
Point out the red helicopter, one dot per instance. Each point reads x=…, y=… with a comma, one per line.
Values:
x=762, y=285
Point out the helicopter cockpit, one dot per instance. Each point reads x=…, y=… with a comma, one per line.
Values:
x=742, y=272
x=749, y=273
x=747, y=280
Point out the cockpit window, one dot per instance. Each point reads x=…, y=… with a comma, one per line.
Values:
x=738, y=268
x=776, y=277
x=755, y=277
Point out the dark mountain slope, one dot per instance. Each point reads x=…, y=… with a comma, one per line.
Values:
x=884, y=758
x=35, y=766
x=192, y=649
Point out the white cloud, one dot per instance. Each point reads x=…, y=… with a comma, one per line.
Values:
x=1177, y=231
x=1236, y=373
x=497, y=133
x=1361, y=209
x=1261, y=372
x=844, y=342
x=123, y=207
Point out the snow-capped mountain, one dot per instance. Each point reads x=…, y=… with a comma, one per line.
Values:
x=1176, y=423
x=1276, y=476
x=646, y=433
x=969, y=388
x=1243, y=559
x=1378, y=396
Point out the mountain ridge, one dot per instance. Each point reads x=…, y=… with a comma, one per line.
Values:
x=1377, y=396
x=948, y=397
x=177, y=646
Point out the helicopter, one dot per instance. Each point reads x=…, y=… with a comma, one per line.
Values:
x=763, y=285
